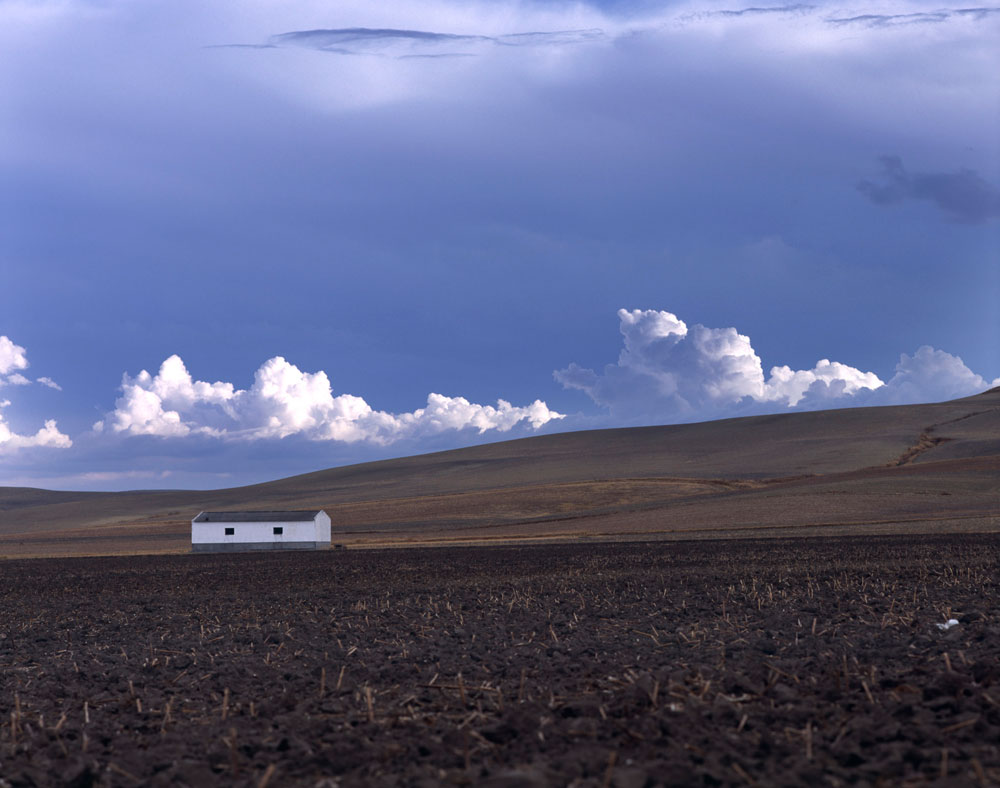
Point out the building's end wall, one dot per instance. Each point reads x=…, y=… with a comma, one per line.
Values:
x=323, y=532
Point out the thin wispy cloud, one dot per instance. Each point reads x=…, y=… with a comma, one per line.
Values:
x=241, y=46
x=551, y=38
x=402, y=44
x=914, y=18
x=367, y=37
x=794, y=8
x=864, y=20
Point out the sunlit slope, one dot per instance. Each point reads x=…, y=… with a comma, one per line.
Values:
x=761, y=447
x=925, y=464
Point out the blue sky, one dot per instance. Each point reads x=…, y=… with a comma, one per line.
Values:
x=244, y=240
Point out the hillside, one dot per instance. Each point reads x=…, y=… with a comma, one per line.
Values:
x=891, y=469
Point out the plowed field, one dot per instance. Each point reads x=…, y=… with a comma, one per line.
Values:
x=786, y=662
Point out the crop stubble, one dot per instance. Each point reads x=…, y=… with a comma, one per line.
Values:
x=728, y=663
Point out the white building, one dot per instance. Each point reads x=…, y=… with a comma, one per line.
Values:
x=216, y=532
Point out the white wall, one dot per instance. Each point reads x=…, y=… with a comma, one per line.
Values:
x=215, y=533
x=323, y=527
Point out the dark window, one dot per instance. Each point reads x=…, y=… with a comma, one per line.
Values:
x=230, y=531
x=278, y=529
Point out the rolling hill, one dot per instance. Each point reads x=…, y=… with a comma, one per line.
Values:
x=912, y=468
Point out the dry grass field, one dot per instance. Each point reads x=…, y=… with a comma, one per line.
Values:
x=907, y=469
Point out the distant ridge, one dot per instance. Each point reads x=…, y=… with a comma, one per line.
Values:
x=887, y=469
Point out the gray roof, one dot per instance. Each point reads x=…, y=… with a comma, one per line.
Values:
x=298, y=516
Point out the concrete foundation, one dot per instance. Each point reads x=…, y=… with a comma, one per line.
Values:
x=246, y=547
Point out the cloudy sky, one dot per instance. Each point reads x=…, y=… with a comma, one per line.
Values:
x=244, y=240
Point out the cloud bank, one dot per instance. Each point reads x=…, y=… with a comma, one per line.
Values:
x=403, y=43
x=12, y=359
x=526, y=38
x=668, y=371
x=285, y=401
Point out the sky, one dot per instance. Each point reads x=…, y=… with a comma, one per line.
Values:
x=244, y=240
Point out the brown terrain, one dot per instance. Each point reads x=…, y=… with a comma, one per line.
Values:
x=902, y=469
x=642, y=646
x=827, y=661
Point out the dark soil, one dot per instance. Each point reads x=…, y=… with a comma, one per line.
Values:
x=798, y=662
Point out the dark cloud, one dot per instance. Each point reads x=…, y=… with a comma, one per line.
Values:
x=551, y=38
x=865, y=20
x=883, y=20
x=963, y=195
x=436, y=56
x=240, y=46
x=736, y=13
x=344, y=37
x=421, y=43
x=919, y=17
x=755, y=11
x=976, y=13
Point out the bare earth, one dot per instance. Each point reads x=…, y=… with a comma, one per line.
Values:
x=642, y=647
x=780, y=662
x=893, y=470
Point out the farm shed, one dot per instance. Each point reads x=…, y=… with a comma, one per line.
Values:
x=216, y=532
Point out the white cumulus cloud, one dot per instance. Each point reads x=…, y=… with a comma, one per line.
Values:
x=827, y=380
x=13, y=358
x=669, y=371
x=930, y=375
x=283, y=400
x=667, y=368
x=49, y=436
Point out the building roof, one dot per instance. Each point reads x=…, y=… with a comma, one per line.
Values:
x=298, y=516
